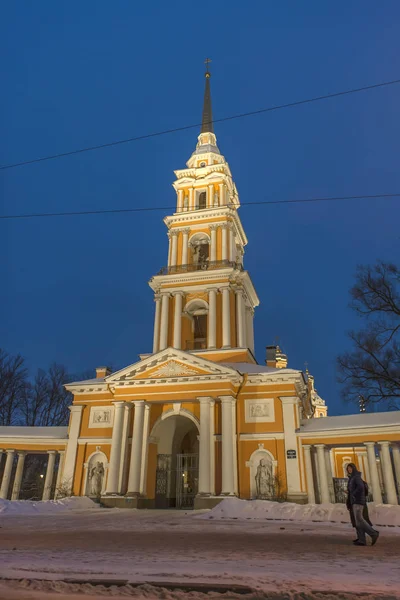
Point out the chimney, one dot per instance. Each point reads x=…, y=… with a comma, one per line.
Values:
x=102, y=372
x=276, y=358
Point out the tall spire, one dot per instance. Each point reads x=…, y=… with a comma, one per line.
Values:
x=207, y=124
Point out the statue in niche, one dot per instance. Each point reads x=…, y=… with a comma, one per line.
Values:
x=263, y=479
x=216, y=199
x=186, y=202
x=96, y=476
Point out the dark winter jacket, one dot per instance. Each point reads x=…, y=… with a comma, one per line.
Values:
x=356, y=487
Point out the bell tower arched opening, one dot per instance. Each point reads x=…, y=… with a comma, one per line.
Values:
x=197, y=312
x=200, y=250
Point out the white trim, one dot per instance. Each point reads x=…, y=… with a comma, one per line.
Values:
x=377, y=431
x=94, y=440
x=246, y=437
x=31, y=440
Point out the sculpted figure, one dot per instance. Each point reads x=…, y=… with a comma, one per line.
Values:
x=96, y=477
x=262, y=479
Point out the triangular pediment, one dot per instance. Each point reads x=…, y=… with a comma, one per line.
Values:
x=171, y=364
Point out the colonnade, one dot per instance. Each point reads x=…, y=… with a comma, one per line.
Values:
x=244, y=319
x=19, y=473
x=139, y=448
x=228, y=248
x=323, y=467
x=188, y=202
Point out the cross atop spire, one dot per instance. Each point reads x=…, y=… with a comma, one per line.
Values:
x=206, y=123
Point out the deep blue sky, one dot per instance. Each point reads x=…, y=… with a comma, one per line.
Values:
x=82, y=73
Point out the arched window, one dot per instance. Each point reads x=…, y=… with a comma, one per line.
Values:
x=202, y=200
x=197, y=311
x=200, y=249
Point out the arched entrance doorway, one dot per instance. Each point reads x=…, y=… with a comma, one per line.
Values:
x=177, y=470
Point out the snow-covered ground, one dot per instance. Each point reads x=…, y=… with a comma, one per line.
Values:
x=238, y=545
x=234, y=508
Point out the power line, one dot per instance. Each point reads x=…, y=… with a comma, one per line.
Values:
x=163, y=208
x=186, y=127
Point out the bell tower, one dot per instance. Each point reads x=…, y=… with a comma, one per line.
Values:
x=204, y=297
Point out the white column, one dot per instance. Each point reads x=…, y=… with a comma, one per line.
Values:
x=178, y=320
x=191, y=199
x=72, y=446
x=123, y=463
x=373, y=471
x=210, y=195
x=228, y=478
x=235, y=450
x=115, y=454
x=204, y=447
x=185, y=245
x=323, y=479
x=250, y=328
x=289, y=407
x=224, y=228
x=328, y=466
x=180, y=200
x=174, y=247
x=212, y=447
x=221, y=194
x=240, y=320
x=164, y=321
x=48, y=482
x=169, y=247
x=390, y=487
x=157, y=316
x=213, y=249
x=212, y=318
x=18, y=475
x=136, y=452
x=367, y=475
x=309, y=474
x=226, y=318
x=5, y=484
x=145, y=447
x=396, y=462
x=232, y=245
x=59, y=473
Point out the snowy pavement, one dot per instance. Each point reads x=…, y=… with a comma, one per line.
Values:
x=159, y=546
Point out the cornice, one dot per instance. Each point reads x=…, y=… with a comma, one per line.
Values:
x=205, y=215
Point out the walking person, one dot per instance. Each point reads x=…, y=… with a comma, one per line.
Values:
x=357, y=499
x=365, y=509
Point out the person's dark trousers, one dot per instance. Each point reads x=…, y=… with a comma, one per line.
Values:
x=361, y=525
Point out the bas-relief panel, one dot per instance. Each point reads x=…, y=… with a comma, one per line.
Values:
x=101, y=417
x=260, y=411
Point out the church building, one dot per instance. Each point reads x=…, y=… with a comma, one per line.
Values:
x=198, y=419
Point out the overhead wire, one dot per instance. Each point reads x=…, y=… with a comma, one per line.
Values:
x=165, y=208
x=186, y=127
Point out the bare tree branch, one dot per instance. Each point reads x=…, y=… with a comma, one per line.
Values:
x=372, y=369
x=13, y=386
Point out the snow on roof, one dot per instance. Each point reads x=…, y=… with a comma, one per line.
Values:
x=351, y=421
x=243, y=367
x=88, y=381
x=34, y=432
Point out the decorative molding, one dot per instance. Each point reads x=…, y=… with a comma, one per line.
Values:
x=101, y=417
x=172, y=369
x=260, y=410
x=247, y=437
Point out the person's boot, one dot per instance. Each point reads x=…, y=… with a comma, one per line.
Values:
x=374, y=538
x=358, y=543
